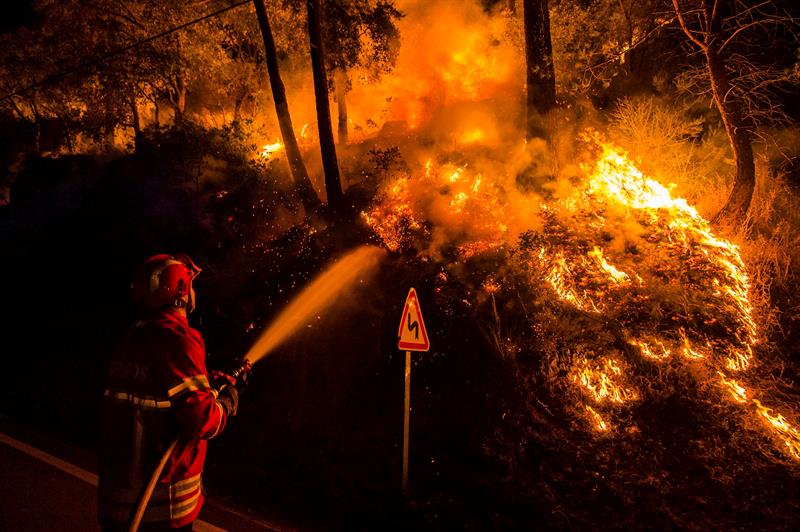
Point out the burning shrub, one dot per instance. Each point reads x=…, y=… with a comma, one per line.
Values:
x=678, y=144
x=641, y=271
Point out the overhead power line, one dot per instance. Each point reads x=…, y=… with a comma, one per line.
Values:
x=118, y=51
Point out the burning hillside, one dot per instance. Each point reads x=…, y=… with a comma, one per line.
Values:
x=603, y=353
x=643, y=271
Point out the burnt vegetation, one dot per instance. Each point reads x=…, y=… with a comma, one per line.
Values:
x=604, y=354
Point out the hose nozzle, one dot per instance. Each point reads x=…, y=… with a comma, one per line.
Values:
x=237, y=377
x=242, y=374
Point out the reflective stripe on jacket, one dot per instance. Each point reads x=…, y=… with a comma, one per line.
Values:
x=157, y=390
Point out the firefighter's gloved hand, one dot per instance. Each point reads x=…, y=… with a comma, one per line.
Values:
x=220, y=380
x=228, y=397
x=238, y=377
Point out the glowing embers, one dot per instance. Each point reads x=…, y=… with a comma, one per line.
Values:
x=689, y=350
x=393, y=218
x=602, y=380
x=560, y=277
x=706, y=264
x=461, y=188
x=739, y=359
x=597, y=420
x=687, y=302
x=737, y=392
x=776, y=423
x=783, y=430
x=614, y=275
x=693, y=279
x=652, y=349
x=627, y=261
x=584, y=280
x=439, y=205
x=491, y=286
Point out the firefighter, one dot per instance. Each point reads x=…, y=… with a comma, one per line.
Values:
x=157, y=391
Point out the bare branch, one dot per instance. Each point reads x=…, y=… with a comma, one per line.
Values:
x=752, y=9
x=17, y=110
x=706, y=17
x=633, y=45
x=685, y=28
x=129, y=17
x=714, y=15
x=772, y=20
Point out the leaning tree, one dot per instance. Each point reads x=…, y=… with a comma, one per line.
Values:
x=733, y=37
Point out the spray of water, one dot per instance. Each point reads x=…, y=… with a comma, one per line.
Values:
x=317, y=296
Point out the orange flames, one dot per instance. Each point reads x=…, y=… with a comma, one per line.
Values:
x=602, y=381
x=599, y=424
x=737, y=392
x=269, y=150
x=615, y=180
x=620, y=247
x=782, y=430
x=439, y=201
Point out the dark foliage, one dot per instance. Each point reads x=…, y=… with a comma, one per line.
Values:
x=321, y=424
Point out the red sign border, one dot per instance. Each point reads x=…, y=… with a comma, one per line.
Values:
x=407, y=346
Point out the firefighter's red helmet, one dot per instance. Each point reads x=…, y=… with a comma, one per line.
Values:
x=164, y=280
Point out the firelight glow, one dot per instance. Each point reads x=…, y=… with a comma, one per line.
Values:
x=268, y=150
x=702, y=275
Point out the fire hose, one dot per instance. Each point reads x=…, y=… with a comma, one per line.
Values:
x=237, y=374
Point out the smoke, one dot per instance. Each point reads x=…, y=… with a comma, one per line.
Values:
x=637, y=274
x=451, y=52
x=454, y=102
x=454, y=105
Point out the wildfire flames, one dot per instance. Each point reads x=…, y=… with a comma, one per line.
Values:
x=601, y=381
x=269, y=150
x=618, y=246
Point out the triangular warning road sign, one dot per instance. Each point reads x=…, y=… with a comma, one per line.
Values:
x=412, y=335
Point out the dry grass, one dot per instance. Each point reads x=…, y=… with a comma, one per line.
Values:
x=673, y=144
x=684, y=152
x=680, y=452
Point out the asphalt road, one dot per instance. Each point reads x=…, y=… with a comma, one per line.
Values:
x=43, y=492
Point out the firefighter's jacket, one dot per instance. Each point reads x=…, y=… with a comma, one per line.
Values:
x=157, y=390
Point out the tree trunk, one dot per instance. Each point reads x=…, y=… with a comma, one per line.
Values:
x=180, y=99
x=37, y=125
x=340, y=83
x=330, y=164
x=540, y=79
x=299, y=173
x=109, y=124
x=68, y=137
x=737, y=126
x=137, y=125
x=237, y=106
x=740, y=138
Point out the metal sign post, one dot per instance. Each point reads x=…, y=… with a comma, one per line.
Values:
x=406, y=422
x=411, y=336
